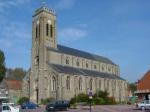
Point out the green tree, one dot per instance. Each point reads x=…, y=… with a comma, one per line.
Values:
x=2, y=65
x=132, y=87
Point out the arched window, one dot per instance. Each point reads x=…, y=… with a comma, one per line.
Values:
x=80, y=83
x=36, y=60
x=53, y=83
x=67, y=61
x=87, y=65
x=68, y=83
x=99, y=84
x=77, y=63
x=47, y=29
x=90, y=84
x=39, y=30
x=36, y=31
x=51, y=29
x=102, y=68
x=109, y=69
x=107, y=84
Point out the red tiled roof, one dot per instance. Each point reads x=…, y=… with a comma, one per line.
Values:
x=14, y=84
x=144, y=83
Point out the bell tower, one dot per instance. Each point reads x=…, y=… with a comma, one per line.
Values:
x=43, y=37
x=44, y=27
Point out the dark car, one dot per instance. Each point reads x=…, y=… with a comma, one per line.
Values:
x=29, y=105
x=57, y=105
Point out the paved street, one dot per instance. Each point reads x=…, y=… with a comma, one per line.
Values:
x=104, y=108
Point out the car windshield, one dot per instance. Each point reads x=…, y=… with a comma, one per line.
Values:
x=53, y=102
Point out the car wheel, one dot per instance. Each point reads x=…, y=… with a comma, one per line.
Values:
x=143, y=108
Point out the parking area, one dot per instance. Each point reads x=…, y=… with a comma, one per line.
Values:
x=102, y=108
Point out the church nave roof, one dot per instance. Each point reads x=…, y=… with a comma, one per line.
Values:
x=78, y=71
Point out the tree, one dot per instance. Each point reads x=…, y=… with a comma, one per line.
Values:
x=132, y=87
x=2, y=65
x=16, y=74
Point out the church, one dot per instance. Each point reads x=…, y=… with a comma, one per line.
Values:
x=62, y=72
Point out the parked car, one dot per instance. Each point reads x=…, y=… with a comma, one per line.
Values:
x=29, y=105
x=8, y=108
x=57, y=105
x=145, y=104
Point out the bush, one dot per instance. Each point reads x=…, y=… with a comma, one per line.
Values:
x=99, y=98
x=99, y=101
x=46, y=101
x=111, y=100
x=80, y=98
x=23, y=100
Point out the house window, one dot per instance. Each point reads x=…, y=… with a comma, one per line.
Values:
x=53, y=83
x=80, y=83
x=68, y=83
x=95, y=67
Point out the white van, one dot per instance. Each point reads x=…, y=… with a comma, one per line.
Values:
x=8, y=108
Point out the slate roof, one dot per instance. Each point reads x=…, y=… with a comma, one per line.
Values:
x=78, y=71
x=79, y=53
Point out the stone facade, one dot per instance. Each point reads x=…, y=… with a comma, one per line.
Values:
x=62, y=72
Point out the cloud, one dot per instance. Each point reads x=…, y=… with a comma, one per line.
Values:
x=14, y=36
x=71, y=34
x=65, y=4
x=6, y=4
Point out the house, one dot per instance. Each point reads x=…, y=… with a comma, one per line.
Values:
x=143, y=87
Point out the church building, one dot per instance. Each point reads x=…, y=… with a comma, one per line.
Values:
x=62, y=72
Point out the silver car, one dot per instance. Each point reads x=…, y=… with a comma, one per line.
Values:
x=145, y=104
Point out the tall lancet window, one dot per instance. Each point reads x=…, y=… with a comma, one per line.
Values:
x=53, y=83
x=51, y=29
x=90, y=84
x=47, y=29
x=68, y=83
x=37, y=29
x=80, y=83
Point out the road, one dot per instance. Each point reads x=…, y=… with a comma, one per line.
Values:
x=102, y=108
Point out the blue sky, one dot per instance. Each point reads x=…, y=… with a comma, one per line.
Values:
x=117, y=29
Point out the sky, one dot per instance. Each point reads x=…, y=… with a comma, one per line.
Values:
x=116, y=29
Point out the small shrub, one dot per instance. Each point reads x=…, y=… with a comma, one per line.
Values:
x=23, y=100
